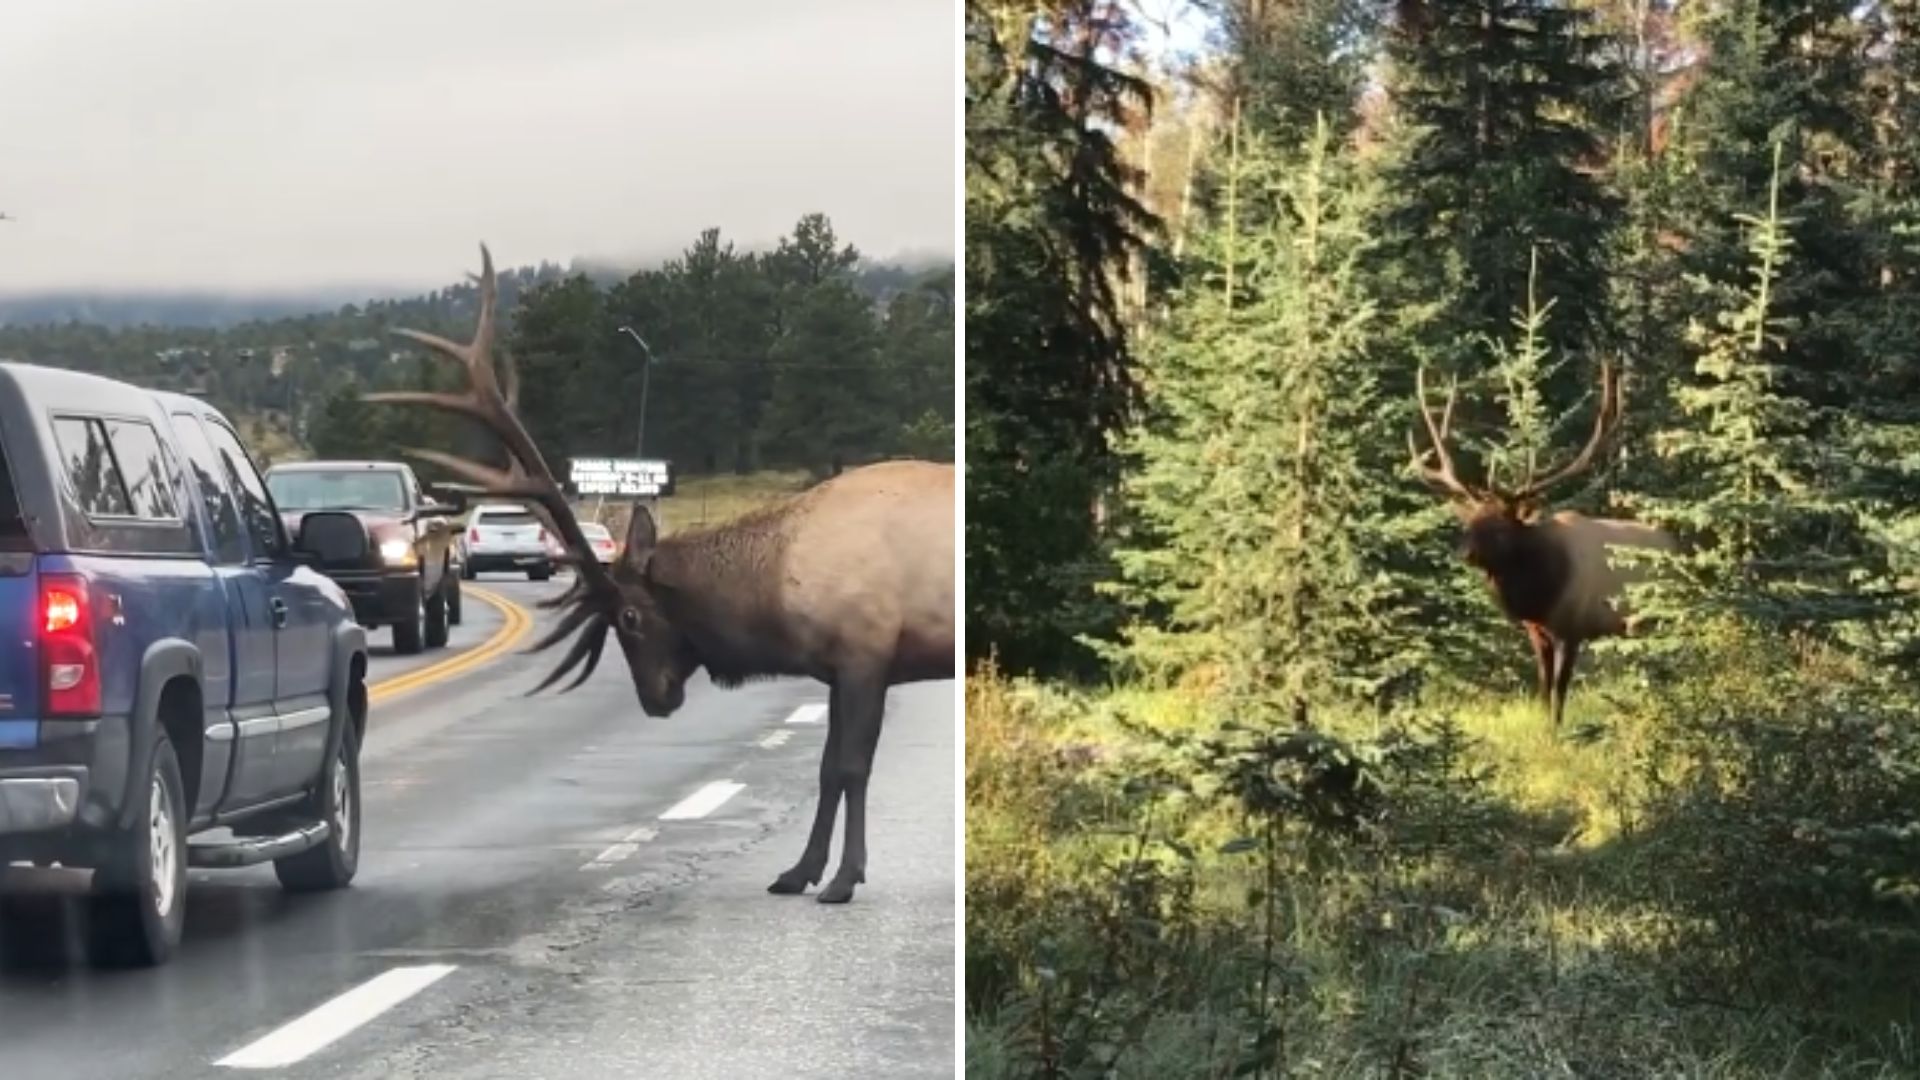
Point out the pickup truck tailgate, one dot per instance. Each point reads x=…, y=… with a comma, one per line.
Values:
x=19, y=621
x=19, y=636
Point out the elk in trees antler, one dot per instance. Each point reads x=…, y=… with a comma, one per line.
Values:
x=849, y=583
x=1552, y=575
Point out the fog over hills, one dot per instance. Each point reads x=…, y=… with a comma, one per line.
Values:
x=218, y=310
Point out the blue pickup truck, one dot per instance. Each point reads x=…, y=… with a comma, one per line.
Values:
x=170, y=660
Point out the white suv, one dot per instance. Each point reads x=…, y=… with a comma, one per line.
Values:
x=505, y=537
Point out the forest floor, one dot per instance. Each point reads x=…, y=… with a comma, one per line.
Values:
x=1511, y=918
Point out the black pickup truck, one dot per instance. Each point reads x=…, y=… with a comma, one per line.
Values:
x=399, y=570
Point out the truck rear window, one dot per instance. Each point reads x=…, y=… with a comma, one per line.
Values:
x=508, y=518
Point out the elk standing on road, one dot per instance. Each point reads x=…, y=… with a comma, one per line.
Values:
x=1552, y=575
x=849, y=583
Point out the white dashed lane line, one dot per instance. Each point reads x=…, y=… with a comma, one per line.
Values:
x=628, y=844
x=298, y=1039
x=702, y=802
x=328, y=1022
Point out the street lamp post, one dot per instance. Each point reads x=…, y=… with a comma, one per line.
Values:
x=646, y=373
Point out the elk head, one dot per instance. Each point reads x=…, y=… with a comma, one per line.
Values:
x=1498, y=522
x=622, y=598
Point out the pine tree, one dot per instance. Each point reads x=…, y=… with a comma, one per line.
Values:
x=1260, y=496
x=1500, y=156
x=1781, y=526
x=1053, y=223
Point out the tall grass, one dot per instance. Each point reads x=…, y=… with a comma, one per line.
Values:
x=1511, y=910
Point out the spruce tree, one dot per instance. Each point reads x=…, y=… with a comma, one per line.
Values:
x=1261, y=493
x=1781, y=521
x=1053, y=222
x=1500, y=105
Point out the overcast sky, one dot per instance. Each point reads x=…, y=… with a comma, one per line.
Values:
x=262, y=145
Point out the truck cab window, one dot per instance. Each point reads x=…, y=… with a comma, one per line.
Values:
x=256, y=508
x=149, y=481
x=97, y=483
x=222, y=516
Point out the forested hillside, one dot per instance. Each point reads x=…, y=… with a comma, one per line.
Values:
x=1256, y=784
x=803, y=356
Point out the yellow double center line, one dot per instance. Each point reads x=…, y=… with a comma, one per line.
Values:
x=516, y=622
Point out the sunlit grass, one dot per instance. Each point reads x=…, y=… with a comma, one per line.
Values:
x=1535, y=953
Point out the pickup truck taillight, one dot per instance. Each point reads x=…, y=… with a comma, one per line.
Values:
x=67, y=654
x=473, y=535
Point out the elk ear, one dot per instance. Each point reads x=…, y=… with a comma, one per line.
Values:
x=641, y=537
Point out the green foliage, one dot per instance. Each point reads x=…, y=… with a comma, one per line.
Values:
x=1261, y=546
x=1297, y=837
x=350, y=429
x=1503, y=103
x=733, y=389
x=1783, y=813
x=1150, y=899
x=1777, y=519
x=1052, y=226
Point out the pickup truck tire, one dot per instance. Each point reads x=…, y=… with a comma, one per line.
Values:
x=540, y=574
x=437, y=616
x=407, y=632
x=453, y=600
x=138, y=906
x=331, y=864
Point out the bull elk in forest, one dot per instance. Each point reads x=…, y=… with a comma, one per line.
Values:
x=1551, y=574
x=849, y=583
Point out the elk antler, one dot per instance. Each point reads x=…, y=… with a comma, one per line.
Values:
x=527, y=479
x=1442, y=477
x=1605, y=420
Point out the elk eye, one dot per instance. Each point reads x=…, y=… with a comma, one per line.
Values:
x=630, y=620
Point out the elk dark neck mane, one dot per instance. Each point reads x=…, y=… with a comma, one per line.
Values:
x=721, y=585
x=1525, y=566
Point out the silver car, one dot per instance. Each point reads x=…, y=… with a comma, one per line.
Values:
x=506, y=537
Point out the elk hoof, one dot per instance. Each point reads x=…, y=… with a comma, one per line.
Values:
x=792, y=883
x=839, y=890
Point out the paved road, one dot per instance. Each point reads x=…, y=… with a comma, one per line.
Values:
x=524, y=910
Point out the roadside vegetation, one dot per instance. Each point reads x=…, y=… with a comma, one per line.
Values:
x=702, y=501
x=1256, y=783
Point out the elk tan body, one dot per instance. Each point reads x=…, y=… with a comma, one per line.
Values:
x=1592, y=602
x=858, y=568
x=850, y=583
x=1556, y=576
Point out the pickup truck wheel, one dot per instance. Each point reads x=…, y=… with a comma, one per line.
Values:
x=407, y=631
x=437, y=615
x=540, y=574
x=331, y=864
x=453, y=601
x=138, y=906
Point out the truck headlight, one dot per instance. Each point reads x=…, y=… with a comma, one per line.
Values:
x=396, y=553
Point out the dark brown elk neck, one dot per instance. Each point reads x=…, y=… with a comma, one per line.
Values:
x=1530, y=582
x=722, y=588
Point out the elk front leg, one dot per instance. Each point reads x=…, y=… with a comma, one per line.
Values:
x=813, y=861
x=866, y=701
x=1543, y=659
x=1569, y=652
